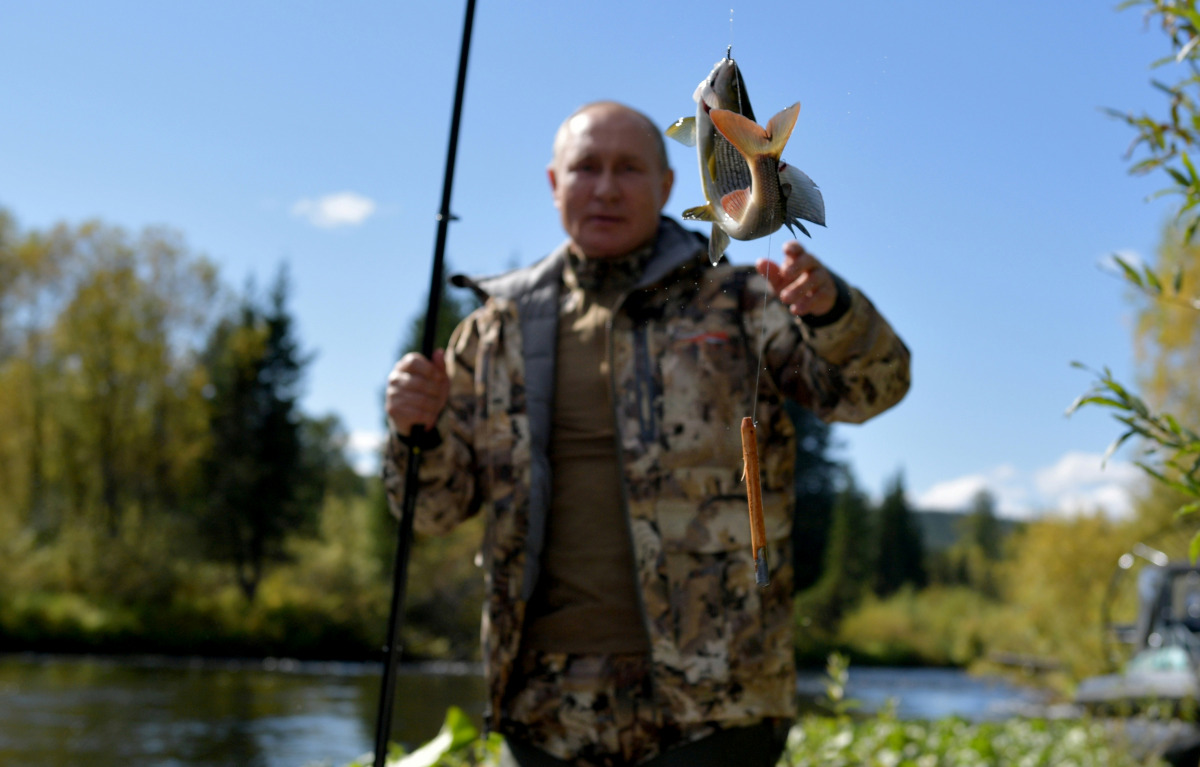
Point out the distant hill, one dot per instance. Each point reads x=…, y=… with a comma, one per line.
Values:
x=940, y=529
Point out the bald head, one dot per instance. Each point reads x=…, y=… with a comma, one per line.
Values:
x=574, y=122
x=610, y=179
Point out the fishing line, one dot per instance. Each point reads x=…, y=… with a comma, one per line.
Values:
x=762, y=343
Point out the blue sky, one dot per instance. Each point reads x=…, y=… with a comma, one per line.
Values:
x=973, y=185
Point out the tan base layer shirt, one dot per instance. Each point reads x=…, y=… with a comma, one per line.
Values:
x=586, y=598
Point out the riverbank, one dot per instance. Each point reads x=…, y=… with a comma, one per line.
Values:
x=192, y=712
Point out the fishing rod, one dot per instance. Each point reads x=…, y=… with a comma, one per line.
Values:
x=387, y=690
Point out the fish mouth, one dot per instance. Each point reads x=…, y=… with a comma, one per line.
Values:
x=724, y=89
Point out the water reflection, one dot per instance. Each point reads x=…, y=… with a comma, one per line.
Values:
x=933, y=693
x=170, y=713
x=160, y=713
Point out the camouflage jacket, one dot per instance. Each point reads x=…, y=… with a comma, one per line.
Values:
x=684, y=346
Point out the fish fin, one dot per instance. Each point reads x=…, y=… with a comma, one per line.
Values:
x=717, y=242
x=699, y=213
x=779, y=127
x=747, y=136
x=794, y=222
x=735, y=203
x=751, y=139
x=804, y=199
x=683, y=130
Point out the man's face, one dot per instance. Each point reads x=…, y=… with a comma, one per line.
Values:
x=609, y=182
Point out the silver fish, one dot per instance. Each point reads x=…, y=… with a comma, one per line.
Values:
x=749, y=191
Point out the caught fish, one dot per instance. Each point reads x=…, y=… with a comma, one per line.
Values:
x=749, y=191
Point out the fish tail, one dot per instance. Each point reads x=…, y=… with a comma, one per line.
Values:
x=751, y=139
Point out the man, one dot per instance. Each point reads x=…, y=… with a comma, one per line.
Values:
x=590, y=409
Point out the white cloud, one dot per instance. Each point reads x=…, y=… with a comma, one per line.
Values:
x=1078, y=483
x=1003, y=482
x=1082, y=482
x=334, y=210
x=364, y=448
x=953, y=494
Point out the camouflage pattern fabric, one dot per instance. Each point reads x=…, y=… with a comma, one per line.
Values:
x=684, y=349
x=592, y=709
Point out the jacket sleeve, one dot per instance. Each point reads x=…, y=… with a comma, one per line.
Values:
x=847, y=370
x=448, y=488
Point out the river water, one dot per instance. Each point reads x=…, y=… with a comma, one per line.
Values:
x=157, y=712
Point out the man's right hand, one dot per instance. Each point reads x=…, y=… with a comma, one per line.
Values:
x=417, y=390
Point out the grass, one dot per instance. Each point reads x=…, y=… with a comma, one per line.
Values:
x=880, y=741
x=843, y=740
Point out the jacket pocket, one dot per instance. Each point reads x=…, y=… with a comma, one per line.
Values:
x=720, y=620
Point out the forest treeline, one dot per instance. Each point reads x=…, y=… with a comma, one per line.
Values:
x=162, y=490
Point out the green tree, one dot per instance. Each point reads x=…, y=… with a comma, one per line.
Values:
x=972, y=560
x=816, y=476
x=257, y=489
x=9, y=271
x=453, y=308
x=899, y=552
x=323, y=444
x=846, y=569
x=980, y=527
x=1053, y=588
x=32, y=286
x=100, y=385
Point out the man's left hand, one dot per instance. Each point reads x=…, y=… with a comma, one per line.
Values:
x=801, y=281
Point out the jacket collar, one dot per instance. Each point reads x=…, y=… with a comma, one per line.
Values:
x=673, y=248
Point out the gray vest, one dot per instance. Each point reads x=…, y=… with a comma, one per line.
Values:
x=535, y=289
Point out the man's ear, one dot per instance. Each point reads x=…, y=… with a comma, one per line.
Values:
x=667, y=183
x=550, y=175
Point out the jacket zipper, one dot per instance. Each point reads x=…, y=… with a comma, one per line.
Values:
x=624, y=486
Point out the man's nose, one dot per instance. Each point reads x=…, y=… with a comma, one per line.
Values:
x=606, y=184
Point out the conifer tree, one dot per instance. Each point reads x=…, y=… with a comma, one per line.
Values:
x=255, y=474
x=900, y=555
x=816, y=488
x=980, y=526
x=845, y=574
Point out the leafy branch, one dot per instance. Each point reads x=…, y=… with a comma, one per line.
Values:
x=1149, y=283
x=1171, y=451
x=1167, y=140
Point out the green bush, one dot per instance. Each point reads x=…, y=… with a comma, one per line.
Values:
x=881, y=741
x=938, y=626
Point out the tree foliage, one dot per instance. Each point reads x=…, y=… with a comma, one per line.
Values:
x=899, y=551
x=846, y=567
x=1169, y=449
x=255, y=474
x=123, y=375
x=816, y=476
x=1166, y=140
x=100, y=385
